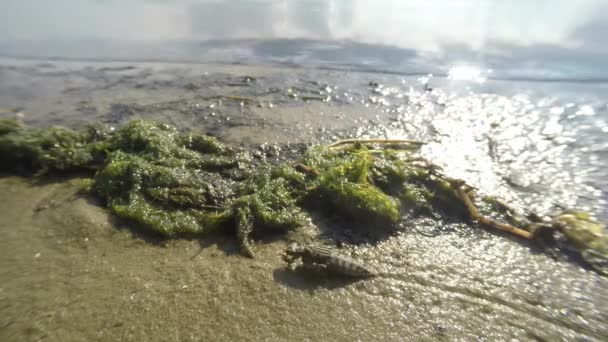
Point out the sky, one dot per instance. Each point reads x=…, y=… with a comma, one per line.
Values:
x=418, y=24
x=551, y=28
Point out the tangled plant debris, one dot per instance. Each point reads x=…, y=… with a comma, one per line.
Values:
x=178, y=183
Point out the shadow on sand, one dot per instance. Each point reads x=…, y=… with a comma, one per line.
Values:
x=308, y=280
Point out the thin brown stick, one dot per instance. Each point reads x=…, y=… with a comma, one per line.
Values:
x=457, y=183
x=228, y=97
x=375, y=141
x=476, y=216
x=419, y=159
x=468, y=204
x=506, y=227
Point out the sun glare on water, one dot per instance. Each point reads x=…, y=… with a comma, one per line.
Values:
x=466, y=73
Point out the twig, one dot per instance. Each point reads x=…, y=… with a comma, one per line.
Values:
x=375, y=141
x=228, y=97
x=476, y=216
x=457, y=183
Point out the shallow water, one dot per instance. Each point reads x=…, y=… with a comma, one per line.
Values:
x=70, y=271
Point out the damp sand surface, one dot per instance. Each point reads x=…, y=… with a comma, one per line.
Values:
x=69, y=271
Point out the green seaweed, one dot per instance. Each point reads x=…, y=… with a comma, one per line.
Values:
x=273, y=202
x=344, y=179
x=167, y=222
x=176, y=183
x=269, y=200
x=54, y=148
x=244, y=228
x=361, y=201
x=8, y=126
x=588, y=235
x=170, y=200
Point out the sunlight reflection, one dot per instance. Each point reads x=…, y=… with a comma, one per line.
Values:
x=585, y=110
x=521, y=147
x=466, y=73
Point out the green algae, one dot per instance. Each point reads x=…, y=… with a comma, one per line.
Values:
x=344, y=180
x=361, y=201
x=8, y=126
x=164, y=181
x=50, y=149
x=176, y=183
x=588, y=235
x=268, y=202
x=161, y=179
x=168, y=222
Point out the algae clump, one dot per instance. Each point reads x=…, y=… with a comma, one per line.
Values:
x=269, y=200
x=176, y=183
x=165, y=181
x=589, y=236
x=54, y=148
x=343, y=179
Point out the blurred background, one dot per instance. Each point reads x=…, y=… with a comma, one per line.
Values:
x=545, y=39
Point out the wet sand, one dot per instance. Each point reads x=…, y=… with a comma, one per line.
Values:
x=70, y=274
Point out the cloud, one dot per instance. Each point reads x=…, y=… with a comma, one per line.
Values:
x=593, y=34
